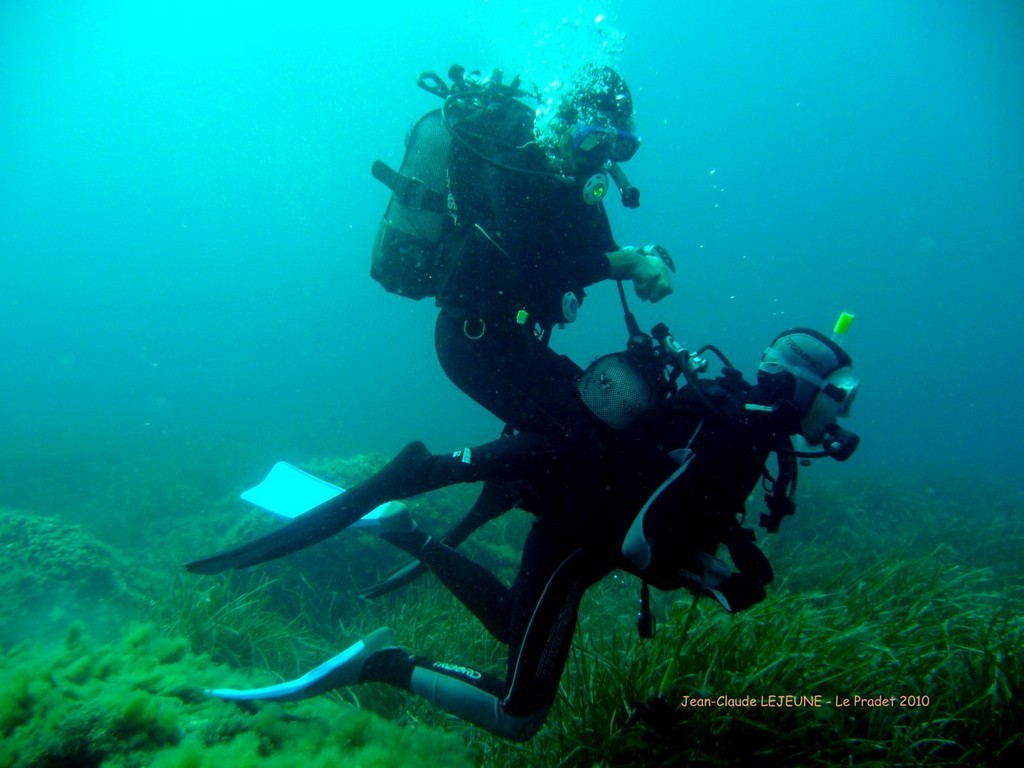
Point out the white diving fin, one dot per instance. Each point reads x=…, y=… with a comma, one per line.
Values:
x=288, y=491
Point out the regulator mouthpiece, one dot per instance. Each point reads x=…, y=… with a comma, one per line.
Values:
x=839, y=443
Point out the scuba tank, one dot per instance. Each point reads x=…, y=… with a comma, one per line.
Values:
x=406, y=256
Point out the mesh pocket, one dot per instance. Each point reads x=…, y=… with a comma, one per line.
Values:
x=615, y=391
x=406, y=255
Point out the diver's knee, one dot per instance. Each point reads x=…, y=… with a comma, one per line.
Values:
x=465, y=692
x=523, y=727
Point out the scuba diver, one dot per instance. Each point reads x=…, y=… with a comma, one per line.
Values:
x=662, y=523
x=497, y=212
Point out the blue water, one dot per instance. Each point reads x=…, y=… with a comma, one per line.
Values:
x=186, y=213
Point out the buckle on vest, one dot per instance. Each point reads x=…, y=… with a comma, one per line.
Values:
x=473, y=336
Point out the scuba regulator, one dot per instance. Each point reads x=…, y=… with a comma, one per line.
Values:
x=597, y=184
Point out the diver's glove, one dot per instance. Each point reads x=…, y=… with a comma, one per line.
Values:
x=657, y=714
x=651, y=273
x=740, y=590
x=746, y=588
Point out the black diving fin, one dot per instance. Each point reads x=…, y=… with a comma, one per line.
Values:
x=396, y=480
x=404, y=574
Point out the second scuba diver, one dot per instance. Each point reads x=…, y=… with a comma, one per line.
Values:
x=663, y=522
x=498, y=213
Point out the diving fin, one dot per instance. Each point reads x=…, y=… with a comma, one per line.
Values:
x=337, y=672
x=395, y=480
x=402, y=575
x=288, y=491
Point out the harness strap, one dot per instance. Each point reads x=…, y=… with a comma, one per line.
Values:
x=645, y=621
x=408, y=191
x=781, y=489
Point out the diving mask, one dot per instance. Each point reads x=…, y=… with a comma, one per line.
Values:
x=840, y=386
x=611, y=143
x=828, y=406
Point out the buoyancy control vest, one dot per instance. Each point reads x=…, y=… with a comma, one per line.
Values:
x=672, y=540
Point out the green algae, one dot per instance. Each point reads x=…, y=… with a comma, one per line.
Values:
x=138, y=702
x=884, y=585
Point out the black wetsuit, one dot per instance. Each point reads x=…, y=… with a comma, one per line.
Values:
x=586, y=514
x=576, y=540
x=523, y=240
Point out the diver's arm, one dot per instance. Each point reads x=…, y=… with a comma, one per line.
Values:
x=649, y=273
